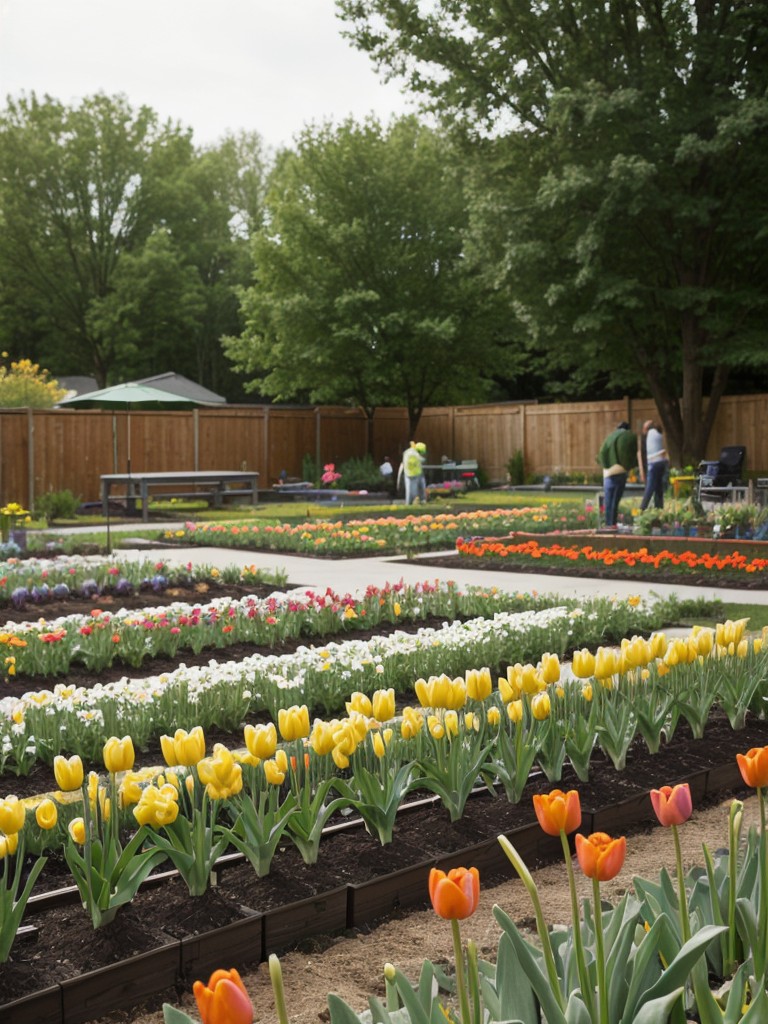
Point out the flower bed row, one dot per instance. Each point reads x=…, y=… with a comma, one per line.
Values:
x=39, y=581
x=74, y=719
x=384, y=533
x=531, y=551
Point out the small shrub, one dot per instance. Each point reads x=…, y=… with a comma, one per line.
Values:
x=361, y=475
x=516, y=469
x=56, y=505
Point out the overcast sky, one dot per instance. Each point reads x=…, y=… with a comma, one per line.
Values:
x=269, y=66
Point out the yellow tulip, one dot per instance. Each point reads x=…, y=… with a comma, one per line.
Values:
x=261, y=740
x=550, y=668
x=515, y=711
x=729, y=632
x=705, y=640
x=361, y=703
x=471, y=722
x=583, y=665
x=478, y=683
x=411, y=724
x=130, y=789
x=274, y=775
x=510, y=688
x=281, y=760
x=586, y=691
x=494, y=716
x=340, y=759
x=540, y=706
x=757, y=645
x=76, y=829
x=742, y=648
x=12, y=815
x=436, y=727
x=321, y=737
x=221, y=775
x=379, y=748
x=605, y=663
x=46, y=815
x=384, y=704
x=9, y=845
x=293, y=722
x=68, y=772
x=658, y=645
x=530, y=680
x=183, y=748
x=451, y=723
x=157, y=806
x=119, y=754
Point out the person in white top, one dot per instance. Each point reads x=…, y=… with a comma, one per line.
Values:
x=654, y=467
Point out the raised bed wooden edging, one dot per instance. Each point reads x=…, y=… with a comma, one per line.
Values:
x=252, y=939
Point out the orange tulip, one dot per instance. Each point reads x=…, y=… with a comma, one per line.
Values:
x=454, y=895
x=754, y=767
x=224, y=999
x=600, y=856
x=672, y=805
x=558, y=811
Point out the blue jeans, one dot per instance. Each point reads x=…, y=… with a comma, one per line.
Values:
x=614, y=488
x=415, y=487
x=654, y=484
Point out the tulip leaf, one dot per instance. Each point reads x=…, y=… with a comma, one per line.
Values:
x=530, y=962
x=737, y=995
x=656, y=1011
x=513, y=987
x=340, y=1012
x=676, y=974
x=576, y=1012
x=747, y=915
x=411, y=1001
x=758, y=1010
x=173, y=1015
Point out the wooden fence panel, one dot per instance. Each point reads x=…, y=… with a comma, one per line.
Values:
x=54, y=449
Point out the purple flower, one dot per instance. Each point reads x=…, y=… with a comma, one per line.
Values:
x=89, y=588
x=60, y=591
x=19, y=597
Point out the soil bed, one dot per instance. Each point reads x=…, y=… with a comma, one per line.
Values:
x=65, y=945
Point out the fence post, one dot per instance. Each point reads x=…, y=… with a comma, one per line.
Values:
x=31, y=459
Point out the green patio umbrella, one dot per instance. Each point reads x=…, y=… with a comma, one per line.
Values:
x=128, y=396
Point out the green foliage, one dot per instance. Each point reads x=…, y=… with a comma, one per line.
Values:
x=56, y=505
x=360, y=474
x=620, y=193
x=310, y=470
x=362, y=276
x=121, y=246
x=516, y=468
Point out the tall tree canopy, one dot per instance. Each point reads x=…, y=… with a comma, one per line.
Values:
x=362, y=294
x=120, y=245
x=624, y=199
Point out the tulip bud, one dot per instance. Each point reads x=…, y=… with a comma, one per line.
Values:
x=119, y=755
x=46, y=815
x=68, y=772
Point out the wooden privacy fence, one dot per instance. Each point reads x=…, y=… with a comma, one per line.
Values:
x=45, y=450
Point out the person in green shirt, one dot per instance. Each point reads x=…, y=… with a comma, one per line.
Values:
x=617, y=455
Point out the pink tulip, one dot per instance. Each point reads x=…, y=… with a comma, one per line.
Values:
x=672, y=804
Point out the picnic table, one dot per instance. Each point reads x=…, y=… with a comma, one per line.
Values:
x=217, y=486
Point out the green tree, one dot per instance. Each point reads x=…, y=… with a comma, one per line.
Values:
x=623, y=201
x=122, y=246
x=362, y=294
x=80, y=188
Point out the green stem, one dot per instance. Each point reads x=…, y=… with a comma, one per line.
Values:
x=541, y=925
x=276, y=977
x=602, y=983
x=763, y=909
x=461, y=980
x=578, y=942
x=685, y=923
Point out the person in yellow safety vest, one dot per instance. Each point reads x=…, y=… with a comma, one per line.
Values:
x=412, y=472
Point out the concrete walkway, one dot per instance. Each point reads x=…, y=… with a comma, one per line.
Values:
x=349, y=575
